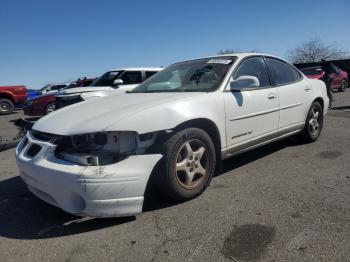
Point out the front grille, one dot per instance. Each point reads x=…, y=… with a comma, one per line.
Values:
x=66, y=101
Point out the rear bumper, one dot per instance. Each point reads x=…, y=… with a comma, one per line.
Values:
x=98, y=191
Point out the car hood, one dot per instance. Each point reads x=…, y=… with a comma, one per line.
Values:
x=78, y=90
x=99, y=114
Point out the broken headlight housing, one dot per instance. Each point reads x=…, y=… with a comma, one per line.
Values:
x=103, y=148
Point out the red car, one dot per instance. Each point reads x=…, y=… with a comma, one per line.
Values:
x=45, y=104
x=340, y=77
x=10, y=97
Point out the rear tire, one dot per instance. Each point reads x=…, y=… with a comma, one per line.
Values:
x=344, y=85
x=6, y=106
x=313, y=124
x=188, y=164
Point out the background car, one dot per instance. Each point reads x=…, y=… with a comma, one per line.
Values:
x=11, y=97
x=45, y=104
x=122, y=79
x=47, y=89
x=340, y=77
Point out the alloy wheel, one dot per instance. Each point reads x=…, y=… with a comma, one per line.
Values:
x=50, y=108
x=4, y=107
x=191, y=163
x=343, y=85
x=314, y=122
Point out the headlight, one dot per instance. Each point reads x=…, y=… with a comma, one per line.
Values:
x=102, y=148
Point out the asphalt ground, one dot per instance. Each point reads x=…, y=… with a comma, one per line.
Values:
x=283, y=202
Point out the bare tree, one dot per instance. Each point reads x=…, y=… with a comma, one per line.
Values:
x=314, y=50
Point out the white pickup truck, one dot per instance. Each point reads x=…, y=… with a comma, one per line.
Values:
x=113, y=81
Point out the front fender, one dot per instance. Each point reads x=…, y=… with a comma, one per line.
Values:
x=320, y=91
x=163, y=117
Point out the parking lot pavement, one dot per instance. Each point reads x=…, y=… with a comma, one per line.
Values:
x=283, y=202
x=7, y=129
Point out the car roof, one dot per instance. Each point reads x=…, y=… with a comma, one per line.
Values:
x=238, y=55
x=138, y=69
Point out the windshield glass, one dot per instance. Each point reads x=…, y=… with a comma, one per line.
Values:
x=106, y=79
x=312, y=71
x=200, y=75
x=45, y=86
x=71, y=85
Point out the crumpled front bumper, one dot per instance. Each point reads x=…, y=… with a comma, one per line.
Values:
x=98, y=191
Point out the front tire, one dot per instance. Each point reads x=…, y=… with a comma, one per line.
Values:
x=313, y=124
x=188, y=164
x=50, y=108
x=6, y=106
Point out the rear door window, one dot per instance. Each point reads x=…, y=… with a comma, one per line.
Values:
x=282, y=73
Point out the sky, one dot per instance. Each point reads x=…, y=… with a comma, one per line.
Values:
x=48, y=41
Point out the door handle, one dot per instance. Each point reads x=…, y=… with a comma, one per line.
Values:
x=271, y=96
x=307, y=88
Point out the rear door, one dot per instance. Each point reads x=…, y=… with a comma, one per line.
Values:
x=251, y=112
x=295, y=93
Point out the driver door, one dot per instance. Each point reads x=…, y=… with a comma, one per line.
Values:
x=130, y=80
x=252, y=112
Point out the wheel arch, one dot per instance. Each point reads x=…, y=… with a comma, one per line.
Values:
x=7, y=96
x=321, y=101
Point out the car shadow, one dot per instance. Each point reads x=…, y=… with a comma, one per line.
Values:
x=256, y=154
x=155, y=200
x=24, y=216
x=340, y=108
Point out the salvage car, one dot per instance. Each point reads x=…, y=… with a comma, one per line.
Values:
x=340, y=78
x=113, y=81
x=95, y=158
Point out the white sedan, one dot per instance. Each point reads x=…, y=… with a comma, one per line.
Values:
x=95, y=158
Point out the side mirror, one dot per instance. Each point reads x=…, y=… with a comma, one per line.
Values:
x=243, y=82
x=118, y=82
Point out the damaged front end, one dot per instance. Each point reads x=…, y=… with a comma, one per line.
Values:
x=99, y=149
x=101, y=174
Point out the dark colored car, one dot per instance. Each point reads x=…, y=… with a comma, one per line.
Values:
x=340, y=77
x=11, y=97
x=45, y=104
